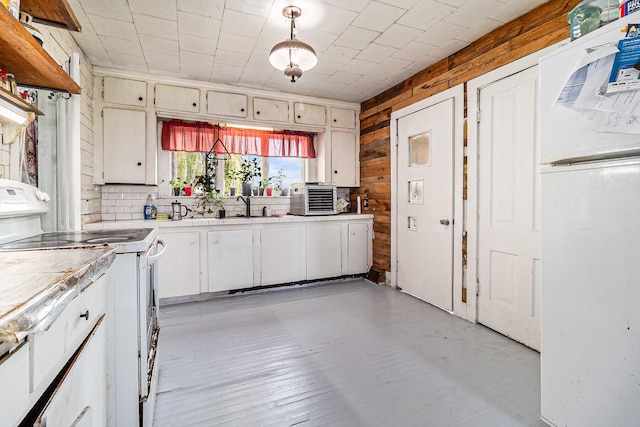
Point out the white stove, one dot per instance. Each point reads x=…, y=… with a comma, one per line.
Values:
x=134, y=302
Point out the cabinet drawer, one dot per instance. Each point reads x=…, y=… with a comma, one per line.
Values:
x=226, y=104
x=14, y=394
x=343, y=118
x=178, y=98
x=270, y=110
x=51, y=349
x=309, y=114
x=125, y=92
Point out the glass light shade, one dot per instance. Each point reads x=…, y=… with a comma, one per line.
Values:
x=301, y=53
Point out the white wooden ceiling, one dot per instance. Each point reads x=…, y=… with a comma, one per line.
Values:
x=363, y=46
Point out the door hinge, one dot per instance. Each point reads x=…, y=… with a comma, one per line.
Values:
x=397, y=266
x=478, y=116
x=102, y=114
x=477, y=288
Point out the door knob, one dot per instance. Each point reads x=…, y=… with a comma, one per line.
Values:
x=444, y=222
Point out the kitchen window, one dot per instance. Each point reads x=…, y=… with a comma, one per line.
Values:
x=278, y=153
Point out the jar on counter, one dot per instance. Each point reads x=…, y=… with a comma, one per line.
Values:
x=4, y=80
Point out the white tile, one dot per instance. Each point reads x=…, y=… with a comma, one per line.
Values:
x=226, y=73
x=165, y=9
x=354, y=5
x=242, y=23
x=196, y=65
x=162, y=62
x=116, y=9
x=231, y=58
x=336, y=20
x=378, y=16
x=208, y=8
x=235, y=42
x=467, y=14
x=114, y=28
x=157, y=45
x=425, y=14
x=405, y=4
x=198, y=25
x=376, y=53
x=157, y=27
x=440, y=34
x=108, y=216
x=412, y=51
x=398, y=36
x=356, y=38
x=340, y=54
x=191, y=43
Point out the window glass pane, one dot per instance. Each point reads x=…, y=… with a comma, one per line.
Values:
x=189, y=166
x=419, y=150
x=291, y=170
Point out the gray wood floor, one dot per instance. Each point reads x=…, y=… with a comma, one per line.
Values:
x=339, y=354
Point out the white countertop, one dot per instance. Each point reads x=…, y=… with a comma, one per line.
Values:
x=37, y=285
x=202, y=222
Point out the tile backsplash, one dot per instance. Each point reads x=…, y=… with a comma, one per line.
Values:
x=126, y=202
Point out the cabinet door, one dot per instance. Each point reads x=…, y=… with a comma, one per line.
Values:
x=358, y=249
x=14, y=375
x=345, y=170
x=230, y=255
x=178, y=98
x=81, y=397
x=309, y=114
x=124, y=146
x=270, y=110
x=226, y=104
x=343, y=118
x=324, y=251
x=281, y=255
x=123, y=91
x=179, y=268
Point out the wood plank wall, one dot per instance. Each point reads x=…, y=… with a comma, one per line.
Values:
x=537, y=29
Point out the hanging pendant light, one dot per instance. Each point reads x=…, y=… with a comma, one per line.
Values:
x=293, y=56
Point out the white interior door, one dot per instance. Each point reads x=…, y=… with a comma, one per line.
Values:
x=424, y=191
x=509, y=207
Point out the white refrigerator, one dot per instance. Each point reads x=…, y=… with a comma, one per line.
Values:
x=590, y=278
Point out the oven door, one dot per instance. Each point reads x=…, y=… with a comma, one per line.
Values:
x=148, y=321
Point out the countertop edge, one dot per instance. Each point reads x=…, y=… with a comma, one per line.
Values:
x=40, y=311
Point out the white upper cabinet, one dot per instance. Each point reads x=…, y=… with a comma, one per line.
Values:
x=343, y=118
x=226, y=104
x=309, y=114
x=270, y=110
x=125, y=92
x=124, y=146
x=345, y=159
x=177, y=98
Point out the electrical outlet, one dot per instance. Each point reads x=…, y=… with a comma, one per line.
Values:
x=366, y=202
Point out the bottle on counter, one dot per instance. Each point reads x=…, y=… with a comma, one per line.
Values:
x=150, y=209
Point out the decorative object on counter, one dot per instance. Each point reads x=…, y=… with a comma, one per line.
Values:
x=187, y=190
x=292, y=56
x=266, y=211
x=176, y=184
x=249, y=170
x=628, y=6
x=358, y=205
x=150, y=209
x=264, y=184
x=162, y=217
x=176, y=209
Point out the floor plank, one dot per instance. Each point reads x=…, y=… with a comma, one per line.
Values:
x=342, y=354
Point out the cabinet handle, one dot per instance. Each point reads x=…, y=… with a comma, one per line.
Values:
x=335, y=171
x=140, y=98
x=139, y=163
x=85, y=315
x=335, y=120
x=195, y=104
x=298, y=116
x=242, y=110
x=258, y=112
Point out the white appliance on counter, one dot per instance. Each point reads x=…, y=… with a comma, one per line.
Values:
x=133, y=302
x=590, y=279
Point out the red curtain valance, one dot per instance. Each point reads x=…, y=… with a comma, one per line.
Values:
x=200, y=137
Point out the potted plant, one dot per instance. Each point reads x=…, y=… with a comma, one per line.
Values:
x=230, y=175
x=249, y=169
x=277, y=183
x=205, y=203
x=176, y=184
x=264, y=183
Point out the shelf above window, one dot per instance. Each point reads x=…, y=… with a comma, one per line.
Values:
x=57, y=13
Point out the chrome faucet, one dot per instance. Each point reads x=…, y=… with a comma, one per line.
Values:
x=247, y=201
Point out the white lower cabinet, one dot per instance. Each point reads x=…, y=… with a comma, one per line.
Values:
x=358, y=248
x=324, y=251
x=179, y=269
x=282, y=257
x=230, y=256
x=80, y=400
x=14, y=395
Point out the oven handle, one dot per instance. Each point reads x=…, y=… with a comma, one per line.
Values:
x=156, y=257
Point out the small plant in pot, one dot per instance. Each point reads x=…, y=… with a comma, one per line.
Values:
x=249, y=170
x=264, y=184
x=230, y=176
x=176, y=184
x=277, y=183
